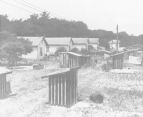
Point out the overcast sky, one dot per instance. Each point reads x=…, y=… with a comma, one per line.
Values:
x=97, y=14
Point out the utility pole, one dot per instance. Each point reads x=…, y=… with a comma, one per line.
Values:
x=117, y=39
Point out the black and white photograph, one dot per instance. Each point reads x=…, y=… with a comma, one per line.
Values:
x=71, y=58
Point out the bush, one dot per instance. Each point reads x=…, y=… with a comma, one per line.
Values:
x=83, y=51
x=60, y=49
x=75, y=50
x=90, y=48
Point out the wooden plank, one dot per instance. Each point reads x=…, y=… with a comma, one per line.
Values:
x=69, y=61
x=72, y=65
x=119, y=64
x=74, y=54
x=1, y=85
x=71, y=87
x=4, y=85
x=70, y=97
x=50, y=90
x=63, y=89
x=76, y=88
x=57, y=91
x=113, y=64
x=60, y=89
x=68, y=90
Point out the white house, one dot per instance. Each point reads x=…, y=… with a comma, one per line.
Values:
x=44, y=46
x=54, y=43
x=113, y=44
x=39, y=47
x=94, y=42
x=79, y=43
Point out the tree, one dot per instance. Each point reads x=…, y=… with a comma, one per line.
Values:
x=14, y=47
x=43, y=25
x=107, y=47
x=90, y=48
x=60, y=49
x=83, y=51
x=75, y=50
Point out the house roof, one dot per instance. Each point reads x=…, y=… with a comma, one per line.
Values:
x=35, y=40
x=93, y=40
x=79, y=40
x=113, y=41
x=58, y=40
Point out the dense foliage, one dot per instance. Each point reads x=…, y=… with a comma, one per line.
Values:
x=13, y=48
x=43, y=25
x=60, y=49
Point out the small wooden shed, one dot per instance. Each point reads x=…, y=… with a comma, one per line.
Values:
x=71, y=59
x=4, y=83
x=118, y=60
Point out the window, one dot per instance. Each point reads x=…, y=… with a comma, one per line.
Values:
x=41, y=51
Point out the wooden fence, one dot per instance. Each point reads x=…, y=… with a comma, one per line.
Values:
x=63, y=87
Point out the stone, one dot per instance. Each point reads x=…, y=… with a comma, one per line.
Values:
x=97, y=98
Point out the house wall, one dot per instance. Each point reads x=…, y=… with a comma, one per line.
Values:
x=94, y=45
x=70, y=45
x=113, y=46
x=52, y=48
x=79, y=46
x=42, y=49
x=32, y=55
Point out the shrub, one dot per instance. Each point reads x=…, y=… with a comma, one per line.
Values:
x=60, y=49
x=75, y=50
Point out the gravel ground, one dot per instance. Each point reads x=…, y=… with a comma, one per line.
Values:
x=123, y=95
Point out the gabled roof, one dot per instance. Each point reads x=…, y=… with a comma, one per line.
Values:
x=58, y=40
x=113, y=41
x=35, y=40
x=80, y=40
x=93, y=40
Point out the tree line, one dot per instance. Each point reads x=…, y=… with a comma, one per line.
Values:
x=43, y=25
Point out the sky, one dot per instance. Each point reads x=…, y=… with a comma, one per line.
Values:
x=97, y=14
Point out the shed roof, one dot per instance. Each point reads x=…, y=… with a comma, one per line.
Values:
x=58, y=40
x=75, y=54
x=106, y=51
x=4, y=70
x=35, y=40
